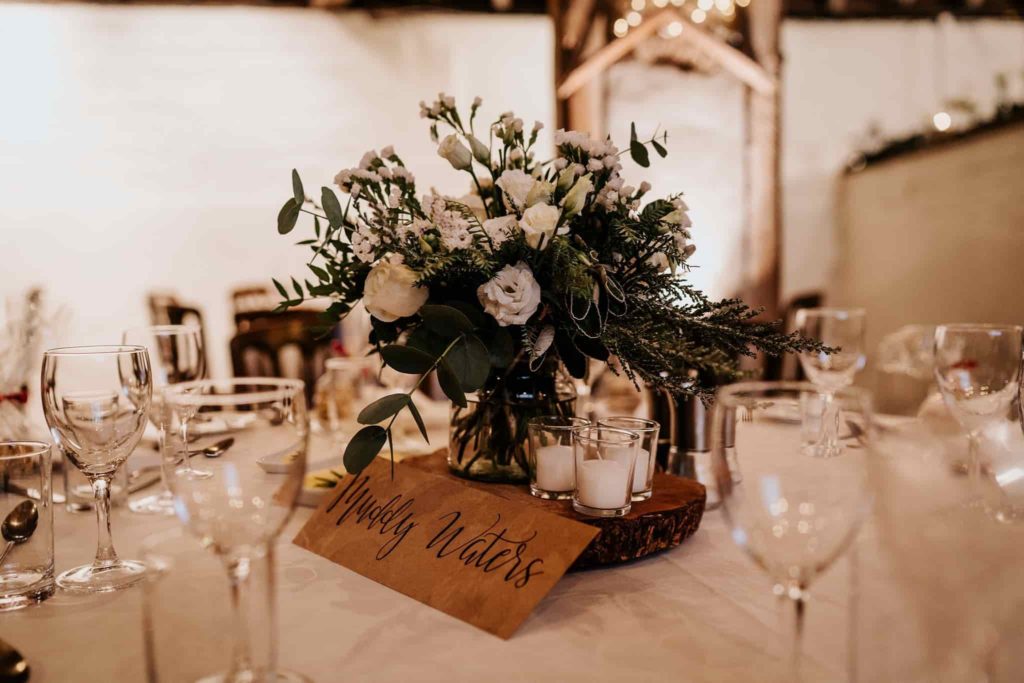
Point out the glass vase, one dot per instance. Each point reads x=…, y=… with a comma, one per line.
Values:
x=487, y=438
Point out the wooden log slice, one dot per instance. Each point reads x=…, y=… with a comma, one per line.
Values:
x=670, y=517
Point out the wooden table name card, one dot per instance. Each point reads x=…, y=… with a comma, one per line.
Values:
x=481, y=558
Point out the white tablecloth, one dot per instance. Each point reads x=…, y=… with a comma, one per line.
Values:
x=701, y=612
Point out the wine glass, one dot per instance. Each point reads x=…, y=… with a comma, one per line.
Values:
x=794, y=512
x=175, y=355
x=978, y=370
x=239, y=510
x=96, y=400
x=843, y=330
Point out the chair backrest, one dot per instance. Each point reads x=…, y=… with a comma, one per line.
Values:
x=165, y=309
x=786, y=367
x=252, y=298
x=292, y=348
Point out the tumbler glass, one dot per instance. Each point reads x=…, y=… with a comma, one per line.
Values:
x=26, y=522
x=605, y=458
x=643, y=473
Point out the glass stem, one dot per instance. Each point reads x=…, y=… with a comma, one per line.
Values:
x=830, y=424
x=795, y=614
x=105, y=554
x=253, y=656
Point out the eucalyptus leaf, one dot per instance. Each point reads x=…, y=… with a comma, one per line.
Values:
x=382, y=409
x=406, y=359
x=475, y=315
x=419, y=420
x=501, y=348
x=632, y=132
x=423, y=339
x=662, y=152
x=320, y=273
x=639, y=153
x=470, y=362
x=332, y=207
x=364, y=447
x=446, y=321
x=280, y=289
x=450, y=384
x=300, y=194
x=287, y=216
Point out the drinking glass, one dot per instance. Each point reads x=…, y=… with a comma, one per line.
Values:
x=843, y=330
x=175, y=355
x=605, y=458
x=339, y=395
x=978, y=370
x=26, y=558
x=643, y=473
x=549, y=452
x=794, y=512
x=239, y=510
x=96, y=400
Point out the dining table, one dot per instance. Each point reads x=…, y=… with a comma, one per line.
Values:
x=702, y=611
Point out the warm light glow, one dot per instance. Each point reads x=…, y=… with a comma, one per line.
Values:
x=942, y=121
x=638, y=5
x=698, y=16
x=678, y=3
x=634, y=18
x=705, y=5
x=729, y=11
x=621, y=27
x=742, y=3
x=674, y=29
x=660, y=3
x=723, y=5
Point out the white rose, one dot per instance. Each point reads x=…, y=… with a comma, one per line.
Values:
x=391, y=293
x=500, y=229
x=516, y=186
x=511, y=296
x=539, y=223
x=457, y=154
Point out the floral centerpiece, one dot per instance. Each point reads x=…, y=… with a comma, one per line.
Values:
x=508, y=291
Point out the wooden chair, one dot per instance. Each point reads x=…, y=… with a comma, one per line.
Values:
x=778, y=368
x=290, y=348
x=255, y=298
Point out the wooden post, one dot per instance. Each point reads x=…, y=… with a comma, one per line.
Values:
x=764, y=244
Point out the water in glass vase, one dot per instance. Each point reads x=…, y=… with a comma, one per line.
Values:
x=487, y=438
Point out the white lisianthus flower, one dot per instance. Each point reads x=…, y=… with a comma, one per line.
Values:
x=500, y=229
x=539, y=223
x=565, y=179
x=576, y=198
x=480, y=151
x=457, y=236
x=390, y=291
x=515, y=186
x=457, y=154
x=511, y=296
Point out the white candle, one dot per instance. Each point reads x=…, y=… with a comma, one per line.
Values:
x=603, y=484
x=555, y=468
x=643, y=458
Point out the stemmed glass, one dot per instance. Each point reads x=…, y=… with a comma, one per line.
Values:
x=843, y=330
x=793, y=512
x=978, y=369
x=175, y=355
x=239, y=510
x=96, y=400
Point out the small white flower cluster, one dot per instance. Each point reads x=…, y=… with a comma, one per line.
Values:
x=451, y=224
x=364, y=242
x=437, y=107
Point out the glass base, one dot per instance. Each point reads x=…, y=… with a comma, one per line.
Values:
x=550, y=495
x=600, y=512
x=28, y=595
x=279, y=676
x=154, y=504
x=107, y=578
x=641, y=495
x=193, y=473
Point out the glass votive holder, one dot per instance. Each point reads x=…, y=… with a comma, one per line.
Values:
x=26, y=515
x=604, y=459
x=549, y=452
x=643, y=472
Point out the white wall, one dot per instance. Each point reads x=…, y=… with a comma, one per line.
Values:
x=840, y=78
x=150, y=147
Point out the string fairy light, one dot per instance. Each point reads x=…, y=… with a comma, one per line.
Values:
x=725, y=10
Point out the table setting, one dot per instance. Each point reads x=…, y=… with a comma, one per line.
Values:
x=439, y=505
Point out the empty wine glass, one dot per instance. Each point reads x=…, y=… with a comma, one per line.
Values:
x=175, y=355
x=978, y=370
x=793, y=512
x=841, y=329
x=239, y=510
x=96, y=400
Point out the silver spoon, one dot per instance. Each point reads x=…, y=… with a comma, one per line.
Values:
x=19, y=524
x=13, y=667
x=217, y=449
